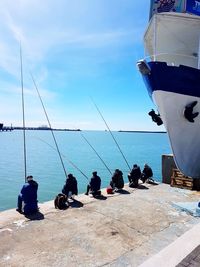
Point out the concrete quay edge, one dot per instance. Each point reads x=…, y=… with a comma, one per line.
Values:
x=173, y=254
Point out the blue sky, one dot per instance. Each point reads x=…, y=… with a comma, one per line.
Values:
x=75, y=50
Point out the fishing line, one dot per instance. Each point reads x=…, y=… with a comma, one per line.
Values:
x=96, y=152
x=113, y=170
x=49, y=124
x=64, y=157
x=111, y=134
x=23, y=113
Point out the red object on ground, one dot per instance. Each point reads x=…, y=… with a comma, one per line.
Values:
x=109, y=190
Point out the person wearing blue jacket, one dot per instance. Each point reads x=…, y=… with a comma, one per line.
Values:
x=28, y=197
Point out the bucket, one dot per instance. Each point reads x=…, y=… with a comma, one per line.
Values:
x=109, y=190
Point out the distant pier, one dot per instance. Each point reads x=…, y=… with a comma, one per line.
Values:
x=11, y=128
x=5, y=128
x=44, y=129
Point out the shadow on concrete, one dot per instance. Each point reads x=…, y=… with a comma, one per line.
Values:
x=101, y=197
x=35, y=216
x=143, y=187
x=122, y=191
x=75, y=204
x=152, y=182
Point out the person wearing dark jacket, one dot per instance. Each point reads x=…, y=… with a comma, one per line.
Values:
x=117, y=180
x=28, y=197
x=70, y=188
x=134, y=176
x=94, y=185
x=147, y=173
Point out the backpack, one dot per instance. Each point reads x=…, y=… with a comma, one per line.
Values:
x=60, y=202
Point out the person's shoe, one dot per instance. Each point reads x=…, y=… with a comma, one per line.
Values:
x=19, y=210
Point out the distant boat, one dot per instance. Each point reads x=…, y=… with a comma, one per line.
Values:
x=171, y=72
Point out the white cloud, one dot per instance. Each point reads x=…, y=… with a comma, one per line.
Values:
x=40, y=31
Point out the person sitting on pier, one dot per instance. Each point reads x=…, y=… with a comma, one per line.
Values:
x=117, y=181
x=147, y=174
x=28, y=197
x=134, y=176
x=94, y=185
x=70, y=188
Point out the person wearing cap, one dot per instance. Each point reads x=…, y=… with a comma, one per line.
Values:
x=117, y=181
x=147, y=173
x=134, y=176
x=28, y=197
x=94, y=185
x=71, y=187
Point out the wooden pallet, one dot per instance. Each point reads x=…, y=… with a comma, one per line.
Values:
x=181, y=181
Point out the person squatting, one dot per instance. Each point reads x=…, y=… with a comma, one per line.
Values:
x=135, y=175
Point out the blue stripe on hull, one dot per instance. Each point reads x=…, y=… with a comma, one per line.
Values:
x=182, y=80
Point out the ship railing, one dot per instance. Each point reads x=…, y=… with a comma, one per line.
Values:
x=175, y=59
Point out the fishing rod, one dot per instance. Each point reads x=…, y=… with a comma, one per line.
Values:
x=64, y=157
x=23, y=113
x=111, y=134
x=49, y=124
x=96, y=152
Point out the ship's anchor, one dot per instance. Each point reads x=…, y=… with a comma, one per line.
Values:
x=155, y=117
x=188, y=111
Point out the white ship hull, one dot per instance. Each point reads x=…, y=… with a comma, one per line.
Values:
x=184, y=136
x=171, y=71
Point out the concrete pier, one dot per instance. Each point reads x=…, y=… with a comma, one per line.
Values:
x=124, y=229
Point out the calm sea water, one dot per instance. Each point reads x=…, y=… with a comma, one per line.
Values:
x=44, y=163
